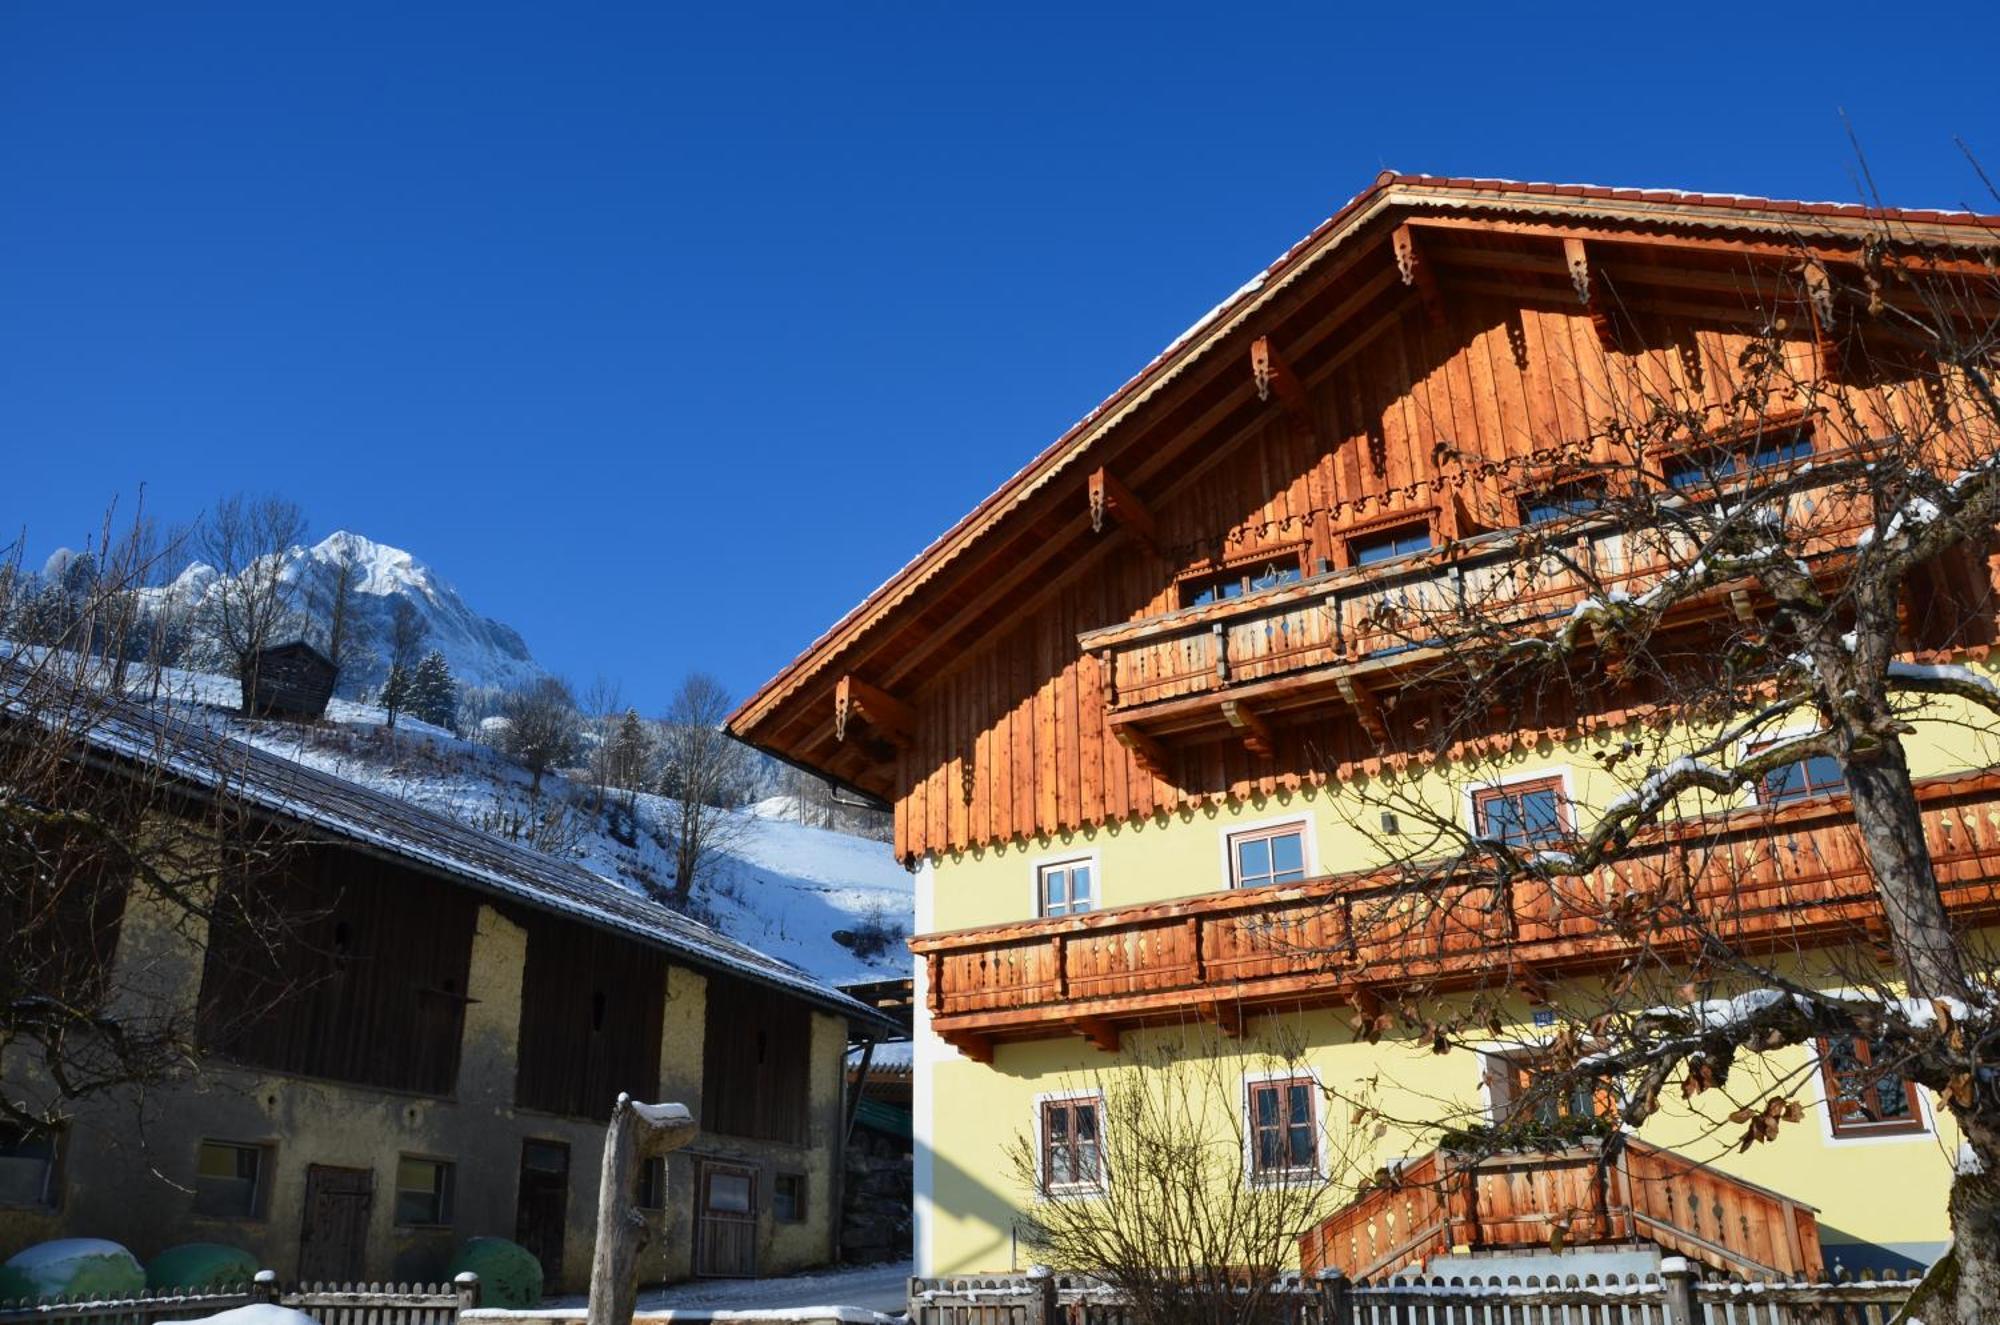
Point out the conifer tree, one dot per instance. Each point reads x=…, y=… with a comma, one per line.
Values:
x=396, y=692
x=433, y=691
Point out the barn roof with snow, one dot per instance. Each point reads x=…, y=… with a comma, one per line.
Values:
x=377, y=823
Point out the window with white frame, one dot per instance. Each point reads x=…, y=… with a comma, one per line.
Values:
x=1072, y=1159
x=1260, y=856
x=1065, y=888
x=1812, y=775
x=1533, y=812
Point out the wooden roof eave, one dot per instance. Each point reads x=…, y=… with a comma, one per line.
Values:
x=1792, y=222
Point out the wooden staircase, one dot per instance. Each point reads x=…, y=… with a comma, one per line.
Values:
x=1568, y=1198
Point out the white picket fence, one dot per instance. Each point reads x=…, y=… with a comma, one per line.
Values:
x=1677, y=1295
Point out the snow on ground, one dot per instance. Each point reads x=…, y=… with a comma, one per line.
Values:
x=781, y=887
x=883, y=1288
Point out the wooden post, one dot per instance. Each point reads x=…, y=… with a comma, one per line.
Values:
x=467, y=1284
x=1042, y=1283
x=1678, y=1276
x=1336, y=1306
x=638, y=1132
x=264, y=1287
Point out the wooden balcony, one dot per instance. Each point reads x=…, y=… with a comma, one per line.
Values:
x=1771, y=876
x=1341, y=638
x=1571, y=1198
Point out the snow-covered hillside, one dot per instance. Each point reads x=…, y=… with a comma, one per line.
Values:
x=831, y=904
x=481, y=651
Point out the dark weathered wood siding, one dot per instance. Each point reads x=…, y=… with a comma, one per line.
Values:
x=591, y=1009
x=756, y=1063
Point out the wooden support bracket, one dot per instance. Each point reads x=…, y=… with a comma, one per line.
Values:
x=1110, y=497
x=1274, y=376
x=1590, y=292
x=1366, y=710
x=1099, y=1032
x=979, y=1048
x=1148, y=753
x=1820, y=307
x=1417, y=273
x=890, y=717
x=1226, y=1017
x=1255, y=733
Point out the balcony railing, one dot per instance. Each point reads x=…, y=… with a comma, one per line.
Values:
x=1792, y=874
x=1287, y=646
x=1571, y=1197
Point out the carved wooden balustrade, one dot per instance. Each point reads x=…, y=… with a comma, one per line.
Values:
x=1350, y=632
x=1791, y=875
x=1569, y=1197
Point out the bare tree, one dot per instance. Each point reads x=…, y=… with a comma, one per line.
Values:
x=251, y=601
x=603, y=704
x=703, y=770
x=407, y=630
x=1181, y=1188
x=81, y=832
x=1759, y=575
x=333, y=600
x=543, y=729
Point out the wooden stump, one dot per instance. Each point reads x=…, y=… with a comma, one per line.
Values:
x=638, y=1132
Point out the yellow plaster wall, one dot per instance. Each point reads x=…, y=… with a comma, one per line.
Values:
x=1882, y=1190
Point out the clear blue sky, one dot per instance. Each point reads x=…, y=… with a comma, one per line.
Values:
x=667, y=332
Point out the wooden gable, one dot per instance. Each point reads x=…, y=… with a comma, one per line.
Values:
x=1391, y=377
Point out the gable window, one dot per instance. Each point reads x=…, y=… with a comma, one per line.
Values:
x=1862, y=1098
x=1531, y=813
x=1071, y=1159
x=1065, y=889
x=1563, y=502
x=1385, y=544
x=1267, y=855
x=1284, y=1128
x=1523, y=1089
x=1236, y=581
x=1720, y=463
x=1814, y=775
x=788, y=1198
x=652, y=1193
x=29, y=1167
x=424, y=1191
x=229, y=1180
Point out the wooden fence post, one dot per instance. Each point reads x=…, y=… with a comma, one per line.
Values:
x=1335, y=1305
x=638, y=1132
x=1678, y=1276
x=264, y=1286
x=1042, y=1283
x=467, y=1284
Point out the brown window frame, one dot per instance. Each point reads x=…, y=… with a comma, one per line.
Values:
x=1510, y=1080
x=1295, y=828
x=1841, y=1107
x=1254, y=1130
x=1241, y=568
x=1046, y=1144
x=1484, y=796
x=1067, y=868
x=1763, y=791
x=1738, y=450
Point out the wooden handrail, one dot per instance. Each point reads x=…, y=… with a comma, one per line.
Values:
x=1516, y=1200
x=1795, y=872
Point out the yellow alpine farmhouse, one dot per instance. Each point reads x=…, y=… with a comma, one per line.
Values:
x=1176, y=744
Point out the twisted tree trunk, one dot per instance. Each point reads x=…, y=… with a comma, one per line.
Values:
x=638, y=1132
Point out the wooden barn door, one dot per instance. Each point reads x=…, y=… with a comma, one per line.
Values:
x=543, y=1208
x=725, y=1226
x=333, y=1241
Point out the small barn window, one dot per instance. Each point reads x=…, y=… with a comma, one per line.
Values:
x=424, y=1191
x=229, y=1180
x=30, y=1168
x=652, y=1193
x=788, y=1198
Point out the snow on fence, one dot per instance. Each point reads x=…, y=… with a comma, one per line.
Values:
x=1676, y=1295
x=330, y=1304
